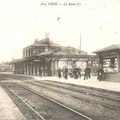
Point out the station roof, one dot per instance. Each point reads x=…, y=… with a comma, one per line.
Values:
x=43, y=43
x=109, y=48
x=20, y=60
x=64, y=54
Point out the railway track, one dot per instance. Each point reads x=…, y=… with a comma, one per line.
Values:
x=106, y=101
x=83, y=89
x=39, y=104
x=92, y=108
x=100, y=112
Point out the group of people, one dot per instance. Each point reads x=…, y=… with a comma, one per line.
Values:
x=74, y=72
x=63, y=72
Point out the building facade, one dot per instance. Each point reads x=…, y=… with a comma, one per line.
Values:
x=109, y=60
x=44, y=57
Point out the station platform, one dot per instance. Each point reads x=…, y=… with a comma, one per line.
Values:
x=8, y=110
x=92, y=82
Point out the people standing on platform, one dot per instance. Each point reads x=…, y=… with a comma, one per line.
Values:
x=87, y=73
x=65, y=72
x=59, y=72
x=100, y=75
x=76, y=72
x=79, y=72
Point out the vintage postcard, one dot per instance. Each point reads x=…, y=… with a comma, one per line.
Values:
x=59, y=60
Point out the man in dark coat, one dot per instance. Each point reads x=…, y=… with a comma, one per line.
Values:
x=66, y=72
x=59, y=72
x=75, y=72
x=87, y=73
x=79, y=72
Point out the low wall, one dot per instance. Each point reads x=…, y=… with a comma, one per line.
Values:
x=113, y=77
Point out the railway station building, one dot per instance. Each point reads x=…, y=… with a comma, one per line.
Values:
x=109, y=59
x=44, y=57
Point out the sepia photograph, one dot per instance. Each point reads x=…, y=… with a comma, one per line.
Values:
x=59, y=60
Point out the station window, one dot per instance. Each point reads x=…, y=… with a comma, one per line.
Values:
x=110, y=64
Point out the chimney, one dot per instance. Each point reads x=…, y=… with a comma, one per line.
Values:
x=35, y=41
x=47, y=35
x=47, y=38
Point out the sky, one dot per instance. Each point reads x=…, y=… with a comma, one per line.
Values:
x=23, y=21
